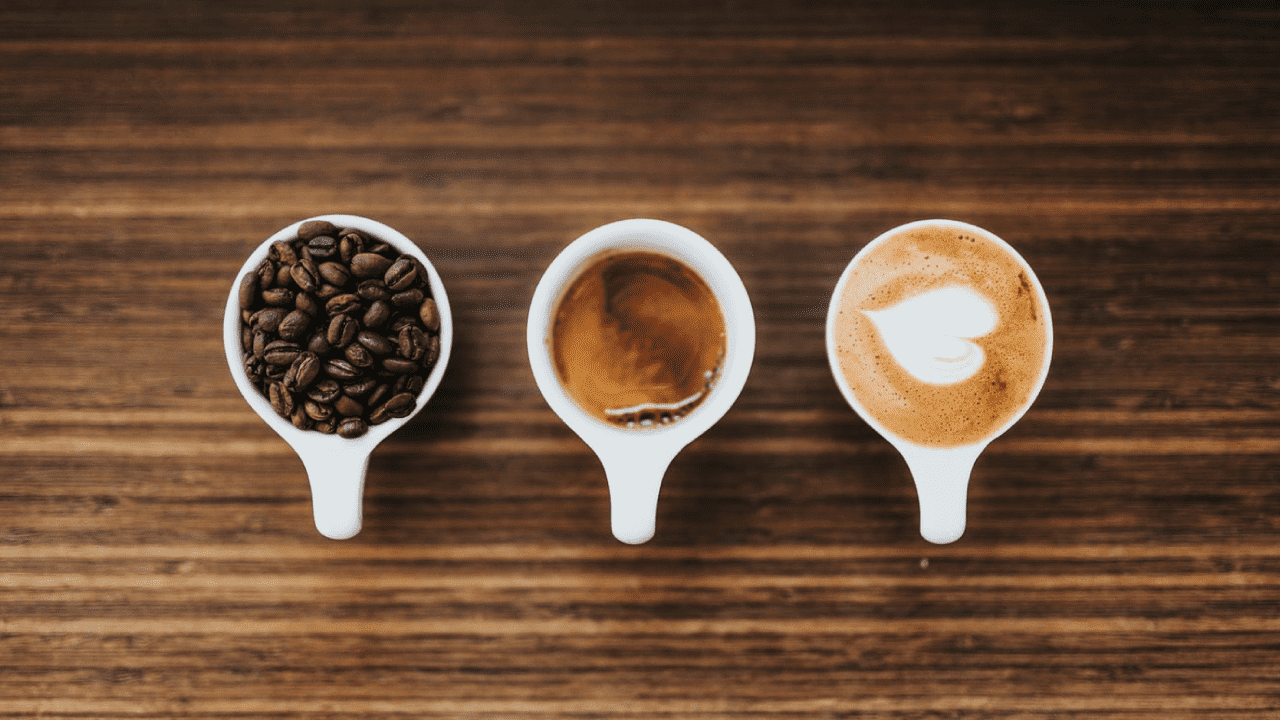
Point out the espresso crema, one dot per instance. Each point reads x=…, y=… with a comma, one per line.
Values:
x=637, y=339
x=940, y=334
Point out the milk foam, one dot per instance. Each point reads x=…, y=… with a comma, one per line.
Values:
x=941, y=333
x=929, y=335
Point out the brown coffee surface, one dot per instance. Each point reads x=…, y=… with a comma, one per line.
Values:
x=637, y=339
x=918, y=260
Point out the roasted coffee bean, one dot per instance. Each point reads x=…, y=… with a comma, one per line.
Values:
x=328, y=290
x=281, y=352
x=313, y=228
x=324, y=391
x=380, y=393
x=305, y=369
x=375, y=342
x=423, y=277
x=287, y=380
x=319, y=343
x=415, y=385
x=430, y=315
x=352, y=427
x=377, y=315
x=342, y=330
x=246, y=317
x=282, y=252
x=408, y=299
x=400, y=276
x=318, y=411
x=412, y=343
x=322, y=247
x=358, y=355
x=350, y=244
x=253, y=369
x=266, y=272
x=379, y=416
x=278, y=297
x=360, y=389
x=400, y=366
x=335, y=273
x=342, y=305
x=306, y=275
x=301, y=420
x=411, y=384
x=372, y=290
x=268, y=319
x=347, y=407
x=401, y=323
x=328, y=427
x=307, y=303
x=283, y=278
x=381, y=248
x=341, y=370
x=369, y=265
x=274, y=372
x=433, y=351
x=281, y=399
x=246, y=339
x=295, y=325
x=250, y=286
x=399, y=405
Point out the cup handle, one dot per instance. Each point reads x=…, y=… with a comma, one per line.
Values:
x=941, y=477
x=337, y=490
x=634, y=481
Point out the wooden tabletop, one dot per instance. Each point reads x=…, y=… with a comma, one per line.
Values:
x=157, y=553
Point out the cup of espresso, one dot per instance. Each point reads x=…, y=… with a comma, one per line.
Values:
x=640, y=337
x=939, y=336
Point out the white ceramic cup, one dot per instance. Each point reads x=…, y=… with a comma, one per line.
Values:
x=335, y=466
x=941, y=475
x=635, y=459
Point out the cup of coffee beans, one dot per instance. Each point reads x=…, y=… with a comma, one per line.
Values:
x=337, y=331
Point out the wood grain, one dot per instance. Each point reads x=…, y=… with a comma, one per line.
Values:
x=157, y=556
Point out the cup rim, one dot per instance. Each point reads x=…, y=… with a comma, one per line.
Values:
x=679, y=243
x=310, y=440
x=833, y=310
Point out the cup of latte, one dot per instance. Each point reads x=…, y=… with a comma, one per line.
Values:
x=641, y=337
x=939, y=336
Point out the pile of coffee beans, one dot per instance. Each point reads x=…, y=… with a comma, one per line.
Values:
x=339, y=329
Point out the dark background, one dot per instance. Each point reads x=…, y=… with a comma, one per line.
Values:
x=157, y=555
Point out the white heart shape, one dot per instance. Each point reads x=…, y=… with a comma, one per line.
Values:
x=929, y=334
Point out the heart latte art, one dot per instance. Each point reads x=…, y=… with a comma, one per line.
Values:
x=940, y=334
x=929, y=335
